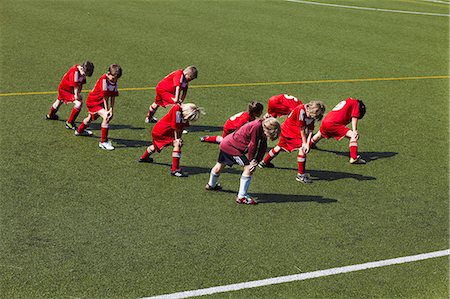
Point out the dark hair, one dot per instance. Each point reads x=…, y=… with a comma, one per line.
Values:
x=88, y=68
x=115, y=70
x=362, y=109
x=255, y=109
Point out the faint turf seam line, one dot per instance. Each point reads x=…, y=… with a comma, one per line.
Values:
x=371, y=8
x=246, y=84
x=302, y=276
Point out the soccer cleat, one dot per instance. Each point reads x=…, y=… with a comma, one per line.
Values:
x=264, y=165
x=358, y=160
x=185, y=131
x=106, y=145
x=247, y=200
x=70, y=126
x=52, y=117
x=202, y=139
x=303, y=178
x=217, y=187
x=146, y=160
x=151, y=120
x=179, y=174
x=84, y=133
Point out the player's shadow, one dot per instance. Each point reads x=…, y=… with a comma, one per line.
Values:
x=328, y=175
x=368, y=156
x=204, y=129
x=120, y=143
x=98, y=126
x=194, y=170
x=264, y=198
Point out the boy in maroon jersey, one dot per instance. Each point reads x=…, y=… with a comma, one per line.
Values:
x=100, y=102
x=244, y=147
x=69, y=90
x=296, y=133
x=335, y=124
x=171, y=90
x=281, y=104
x=168, y=131
x=254, y=110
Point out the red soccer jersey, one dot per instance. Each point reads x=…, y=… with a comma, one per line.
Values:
x=282, y=104
x=171, y=81
x=343, y=113
x=72, y=79
x=295, y=120
x=235, y=122
x=103, y=88
x=164, y=130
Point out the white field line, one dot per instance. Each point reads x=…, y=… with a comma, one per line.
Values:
x=437, y=1
x=302, y=276
x=371, y=8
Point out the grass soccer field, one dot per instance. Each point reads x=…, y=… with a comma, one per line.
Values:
x=79, y=222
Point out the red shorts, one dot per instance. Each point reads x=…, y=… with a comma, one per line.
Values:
x=276, y=110
x=161, y=141
x=289, y=144
x=65, y=96
x=164, y=98
x=94, y=109
x=337, y=131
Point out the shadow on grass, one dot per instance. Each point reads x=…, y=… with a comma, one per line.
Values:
x=205, y=129
x=263, y=198
x=328, y=175
x=194, y=170
x=120, y=143
x=368, y=156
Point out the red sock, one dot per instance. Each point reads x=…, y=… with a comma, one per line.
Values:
x=210, y=139
x=272, y=154
x=301, y=163
x=73, y=116
x=104, y=134
x=82, y=127
x=176, y=156
x=151, y=112
x=145, y=155
x=353, y=149
x=52, y=111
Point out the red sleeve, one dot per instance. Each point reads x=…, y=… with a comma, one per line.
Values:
x=355, y=109
x=258, y=144
x=72, y=78
x=177, y=78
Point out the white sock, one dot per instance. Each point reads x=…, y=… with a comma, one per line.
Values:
x=213, y=178
x=243, y=187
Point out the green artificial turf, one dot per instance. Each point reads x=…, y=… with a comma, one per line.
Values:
x=79, y=222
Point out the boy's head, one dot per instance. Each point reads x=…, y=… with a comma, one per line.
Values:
x=362, y=109
x=255, y=109
x=271, y=128
x=190, y=73
x=88, y=68
x=315, y=109
x=191, y=112
x=114, y=72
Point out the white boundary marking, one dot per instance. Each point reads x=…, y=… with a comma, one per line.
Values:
x=437, y=1
x=302, y=276
x=371, y=8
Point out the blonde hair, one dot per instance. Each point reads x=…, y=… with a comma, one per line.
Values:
x=191, y=112
x=316, y=109
x=271, y=127
x=191, y=71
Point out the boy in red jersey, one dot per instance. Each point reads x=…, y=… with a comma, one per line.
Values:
x=296, y=133
x=281, y=104
x=244, y=147
x=254, y=110
x=335, y=124
x=168, y=131
x=171, y=90
x=69, y=90
x=100, y=102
